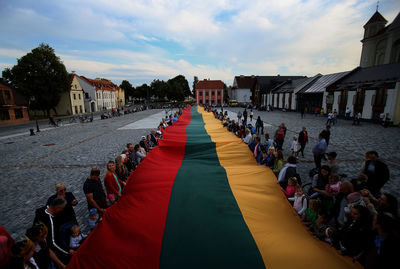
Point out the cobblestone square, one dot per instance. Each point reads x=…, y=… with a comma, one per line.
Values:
x=31, y=165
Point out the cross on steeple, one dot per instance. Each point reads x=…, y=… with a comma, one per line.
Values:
x=377, y=6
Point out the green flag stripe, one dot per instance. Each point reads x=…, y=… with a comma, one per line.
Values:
x=204, y=227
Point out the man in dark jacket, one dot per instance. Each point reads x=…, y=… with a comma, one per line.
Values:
x=377, y=172
x=303, y=140
x=47, y=215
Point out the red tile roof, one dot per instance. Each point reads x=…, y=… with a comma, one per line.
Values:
x=246, y=82
x=101, y=84
x=210, y=84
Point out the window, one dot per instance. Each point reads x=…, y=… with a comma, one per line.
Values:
x=212, y=93
x=80, y=109
x=219, y=93
x=86, y=95
x=18, y=113
x=206, y=93
x=4, y=115
x=201, y=93
x=74, y=96
x=79, y=96
x=1, y=98
x=76, y=86
x=7, y=94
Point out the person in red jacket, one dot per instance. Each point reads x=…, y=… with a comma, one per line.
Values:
x=111, y=181
x=6, y=242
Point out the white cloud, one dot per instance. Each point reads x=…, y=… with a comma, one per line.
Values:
x=12, y=53
x=139, y=67
x=209, y=39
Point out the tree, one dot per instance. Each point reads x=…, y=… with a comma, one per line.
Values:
x=41, y=77
x=226, y=97
x=178, y=88
x=128, y=88
x=159, y=88
x=195, y=81
x=142, y=92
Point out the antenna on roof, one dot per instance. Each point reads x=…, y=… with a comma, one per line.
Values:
x=377, y=6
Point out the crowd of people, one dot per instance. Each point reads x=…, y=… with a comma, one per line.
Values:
x=349, y=213
x=56, y=234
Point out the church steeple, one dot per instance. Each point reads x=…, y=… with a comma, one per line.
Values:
x=376, y=23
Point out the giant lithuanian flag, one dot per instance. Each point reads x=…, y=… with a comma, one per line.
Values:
x=199, y=200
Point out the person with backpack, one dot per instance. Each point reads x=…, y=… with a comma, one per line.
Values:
x=299, y=201
x=288, y=171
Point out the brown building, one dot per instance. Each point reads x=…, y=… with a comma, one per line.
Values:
x=9, y=111
x=210, y=92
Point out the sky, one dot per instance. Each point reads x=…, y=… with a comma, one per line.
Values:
x=140, y=41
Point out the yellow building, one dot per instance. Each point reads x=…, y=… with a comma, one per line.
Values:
x=72, y=102
x=119, y=98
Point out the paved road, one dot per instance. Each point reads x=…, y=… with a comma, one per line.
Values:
x=31, y=166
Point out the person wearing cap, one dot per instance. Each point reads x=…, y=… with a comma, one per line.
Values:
x=153, y=137
x=143, y=144
x=93, y=218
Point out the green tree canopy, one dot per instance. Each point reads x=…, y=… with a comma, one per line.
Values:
x=159, y=88
x=128, y=88
x=142, y=92
x=178, y=88
x=41, y=77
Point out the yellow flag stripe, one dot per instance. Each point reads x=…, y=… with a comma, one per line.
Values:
x=283, y=241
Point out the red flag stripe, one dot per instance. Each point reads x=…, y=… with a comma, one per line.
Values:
x=131, y=232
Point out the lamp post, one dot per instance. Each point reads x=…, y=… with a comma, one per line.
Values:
x=32, y=99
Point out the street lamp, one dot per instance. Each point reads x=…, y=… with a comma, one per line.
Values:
x=32, y=99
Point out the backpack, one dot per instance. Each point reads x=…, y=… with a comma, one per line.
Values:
x=281, y=134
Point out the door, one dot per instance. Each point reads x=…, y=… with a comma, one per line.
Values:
x=343, y=102
x=358, y=101
x=378, y=102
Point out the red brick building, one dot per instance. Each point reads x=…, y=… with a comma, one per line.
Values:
x=210, y=92
x=9, y=111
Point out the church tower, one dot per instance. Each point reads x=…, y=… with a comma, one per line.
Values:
x=372, y=29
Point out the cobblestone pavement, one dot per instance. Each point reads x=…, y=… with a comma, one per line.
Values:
x=350, y=143
x=31, y=165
